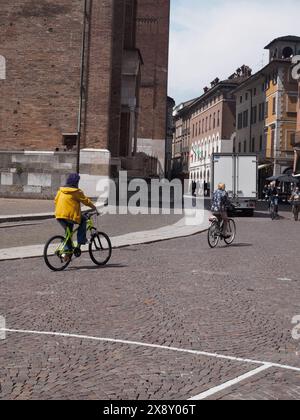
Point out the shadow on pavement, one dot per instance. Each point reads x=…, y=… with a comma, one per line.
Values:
x=95, y=267
x=241, y=245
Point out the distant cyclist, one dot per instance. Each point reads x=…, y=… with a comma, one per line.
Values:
x=274, y=197
x=295, y=199
x=220, y=205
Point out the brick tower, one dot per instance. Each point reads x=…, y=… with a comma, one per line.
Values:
x=153, y=20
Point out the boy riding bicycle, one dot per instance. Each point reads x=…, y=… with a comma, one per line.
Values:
x=68, y=209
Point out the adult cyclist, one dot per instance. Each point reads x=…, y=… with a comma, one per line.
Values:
x=220, y=205
x=274, y=197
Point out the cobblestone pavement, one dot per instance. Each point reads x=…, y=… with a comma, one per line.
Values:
x=235, y=301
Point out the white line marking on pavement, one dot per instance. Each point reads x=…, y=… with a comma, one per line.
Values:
x=229, y=384
x=154, y=346
x=284, y=279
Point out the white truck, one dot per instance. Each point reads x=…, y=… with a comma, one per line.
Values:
x=240, y=174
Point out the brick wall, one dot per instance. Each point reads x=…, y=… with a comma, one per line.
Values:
x=100, y=47
x=41, y=42
x=153, y=40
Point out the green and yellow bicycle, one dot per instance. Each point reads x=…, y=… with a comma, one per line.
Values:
x=60, y=250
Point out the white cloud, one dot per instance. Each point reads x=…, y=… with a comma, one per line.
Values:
x=212, y=39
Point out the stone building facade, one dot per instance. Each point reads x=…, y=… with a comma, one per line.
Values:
x=297, y=136
x=181, y=139
x=113, y=60
x=212, y=124
x=152, y=39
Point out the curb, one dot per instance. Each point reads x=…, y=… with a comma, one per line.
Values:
x=26, y=217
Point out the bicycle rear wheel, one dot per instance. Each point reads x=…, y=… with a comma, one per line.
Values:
x=54, y=252
x=231, y=230
x=100, y=248
x=213, y=235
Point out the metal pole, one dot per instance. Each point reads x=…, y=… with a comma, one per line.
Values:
x=81, y=88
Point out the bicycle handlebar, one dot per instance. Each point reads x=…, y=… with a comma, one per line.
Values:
x=91, y=213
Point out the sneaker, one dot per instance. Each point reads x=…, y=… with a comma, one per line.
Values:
x=66, y=258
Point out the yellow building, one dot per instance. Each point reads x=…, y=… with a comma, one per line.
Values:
x=281, y=115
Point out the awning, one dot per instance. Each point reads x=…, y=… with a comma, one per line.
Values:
x=267, y=165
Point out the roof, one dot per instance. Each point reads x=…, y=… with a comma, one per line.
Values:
x=260, y=73
x=228, y=82
x=288, y=38
x=183, y=106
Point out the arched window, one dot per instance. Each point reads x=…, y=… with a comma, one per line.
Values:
x=2, y=68
x=287, y=52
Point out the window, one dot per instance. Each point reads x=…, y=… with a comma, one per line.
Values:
x=262, y=111
x=245, y=146
x=241, y=99
x=260, y=143
x=274, y=106
x=210, y=122
x=245, y=119
x=218, y=122
x=254, y=115
x=206, y=124
x=214, y=122
x=292, y=139
x=287, y=52
x=267, y=109
x=2, y=68
x=240, y=147
x=254, y=92
x=246, y=96
x=240, y=121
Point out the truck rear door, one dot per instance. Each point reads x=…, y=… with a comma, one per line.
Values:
x=223, y=172
x=246, y=179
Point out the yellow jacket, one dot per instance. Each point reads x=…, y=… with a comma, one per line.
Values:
x=67, y=204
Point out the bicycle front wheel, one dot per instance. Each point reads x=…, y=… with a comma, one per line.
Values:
x=213, y=235
x=100, y=248
x=231, y=230
x=54, y=254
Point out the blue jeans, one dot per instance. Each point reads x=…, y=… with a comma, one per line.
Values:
x=81, y=234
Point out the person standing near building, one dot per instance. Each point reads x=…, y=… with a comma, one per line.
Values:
x=194, y=187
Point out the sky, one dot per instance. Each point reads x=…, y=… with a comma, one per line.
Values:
x=212, y=38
